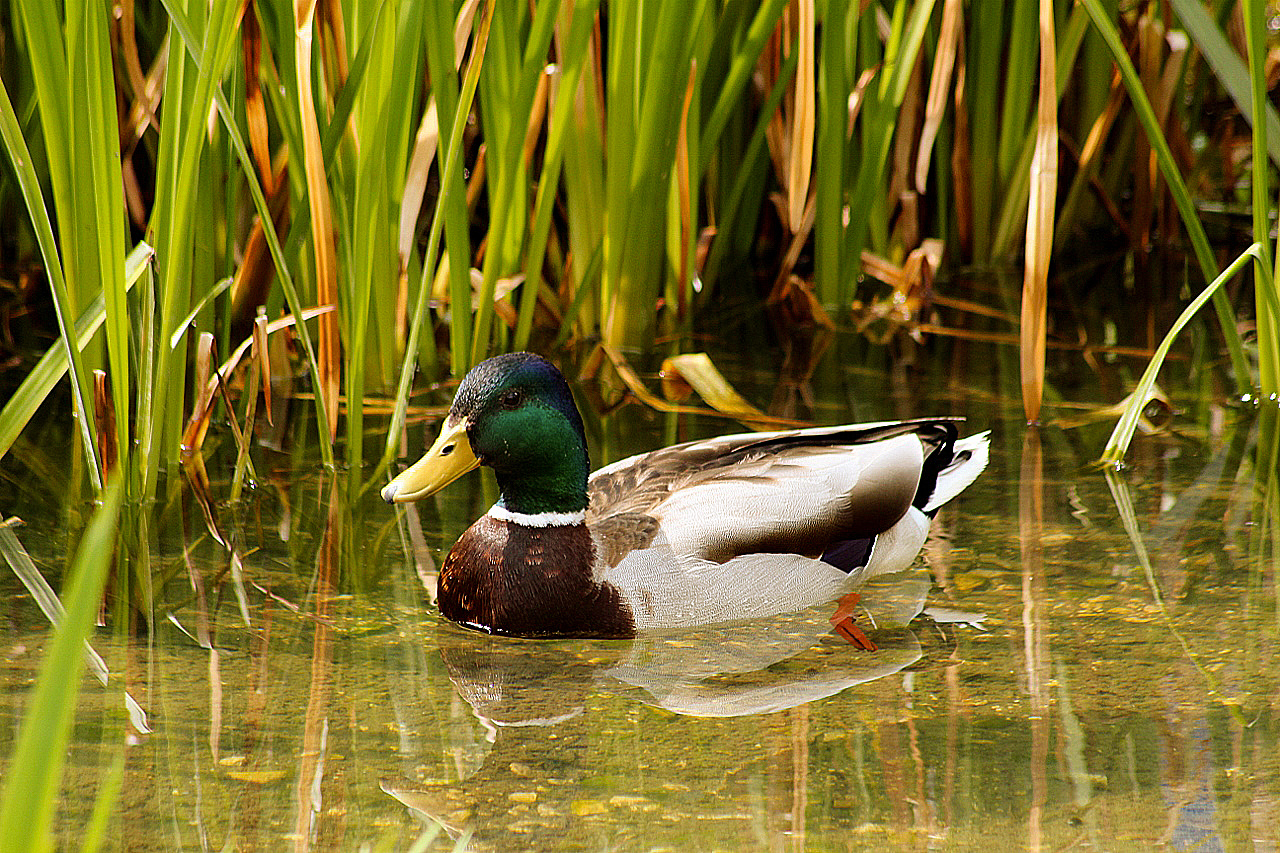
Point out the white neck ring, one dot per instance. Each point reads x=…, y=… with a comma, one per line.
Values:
x=538, y=519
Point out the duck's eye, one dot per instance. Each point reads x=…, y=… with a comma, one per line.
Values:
x=511, y=399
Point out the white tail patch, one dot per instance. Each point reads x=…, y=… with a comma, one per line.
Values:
x=971, y=455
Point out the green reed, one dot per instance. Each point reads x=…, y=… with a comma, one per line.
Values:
x=33, y=776
x=551, y=164
x=600, y=146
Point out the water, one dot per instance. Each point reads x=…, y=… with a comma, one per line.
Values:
x=1044, y=682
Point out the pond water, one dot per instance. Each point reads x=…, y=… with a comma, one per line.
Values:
x=1078, y=660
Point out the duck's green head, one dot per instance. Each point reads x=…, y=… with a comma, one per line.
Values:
x=515, y=414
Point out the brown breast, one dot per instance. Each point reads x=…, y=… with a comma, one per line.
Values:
x=505, y=578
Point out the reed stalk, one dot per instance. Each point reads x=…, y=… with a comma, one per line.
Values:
x=1266, y=296
x=647, y=128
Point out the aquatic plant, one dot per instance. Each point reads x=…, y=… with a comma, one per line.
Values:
x=373, y=191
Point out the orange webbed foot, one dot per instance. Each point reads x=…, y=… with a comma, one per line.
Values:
x=842, y=622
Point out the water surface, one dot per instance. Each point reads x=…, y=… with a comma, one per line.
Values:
x=1050, y=676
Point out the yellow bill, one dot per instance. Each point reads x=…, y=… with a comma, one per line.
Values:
x=447, y=460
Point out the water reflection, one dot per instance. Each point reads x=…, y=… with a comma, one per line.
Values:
x=532, y=699
x=1083, y=660
x=1035, y=627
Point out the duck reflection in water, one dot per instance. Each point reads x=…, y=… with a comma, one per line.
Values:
x=542, y=704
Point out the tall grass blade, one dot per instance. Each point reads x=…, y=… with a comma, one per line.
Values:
x=450, y=177
x=329, y=354
x=191, y=88
x=753, y=161
x=29, y=183
x=35, y=767
x=650, y=48
x=453, y=105
x=984, y=63
x=381, y=122
x=1021, y=67
x=800, y=163
x=1040, y=208
x=1010, y=223
x=181, y=27
x=100, y=193
x=1177, y=187
x=879, y=119
x=833, y=107
x=520, y=72
x=1264, y=134
x=740, y=69
x=563, y=86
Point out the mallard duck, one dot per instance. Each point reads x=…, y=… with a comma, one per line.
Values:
x=727, y=529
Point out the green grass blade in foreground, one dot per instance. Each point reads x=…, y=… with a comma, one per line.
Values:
x=33, y=391
x=29, y=183
x=35, y=767
x=1118, y=444
x=1177, y=187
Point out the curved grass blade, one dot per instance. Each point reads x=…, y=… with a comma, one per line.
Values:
x=211, y=294
x=1118, y=444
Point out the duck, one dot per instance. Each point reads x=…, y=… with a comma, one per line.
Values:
x=721, y=530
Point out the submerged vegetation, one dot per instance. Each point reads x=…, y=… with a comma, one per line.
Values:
x=227, y=204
